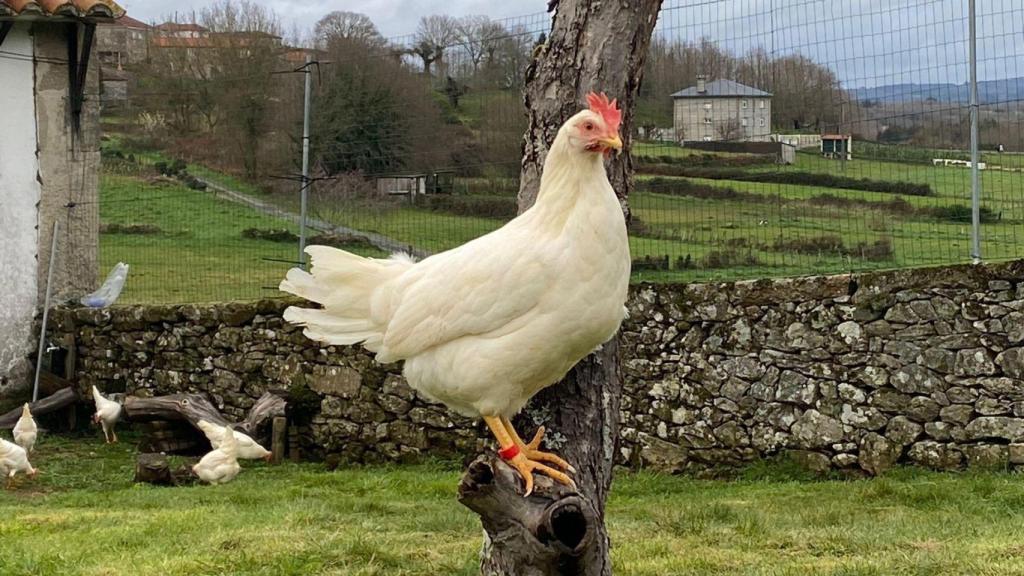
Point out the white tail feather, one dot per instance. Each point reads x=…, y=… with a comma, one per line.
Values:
x=345, y=285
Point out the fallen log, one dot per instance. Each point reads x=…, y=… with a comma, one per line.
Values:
x=196, y=407
x=550, y=533
x=60, y=399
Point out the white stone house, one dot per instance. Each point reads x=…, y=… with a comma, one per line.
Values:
x=49, y=160
x=721, y=110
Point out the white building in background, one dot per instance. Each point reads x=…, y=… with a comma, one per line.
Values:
x=721, y=110
x=49, y=161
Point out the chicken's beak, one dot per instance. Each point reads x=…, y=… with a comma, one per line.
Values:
x=613, y=143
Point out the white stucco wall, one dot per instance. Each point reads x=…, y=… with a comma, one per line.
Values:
x=19, y=197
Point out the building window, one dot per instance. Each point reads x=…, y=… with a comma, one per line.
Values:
x=707, y=120
x=743, y=121
x=746, y=103
x=707, y=105
x=760, y=122
x=760, y=103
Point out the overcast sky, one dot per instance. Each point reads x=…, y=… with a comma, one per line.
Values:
x=866, y=42
x=393, y=17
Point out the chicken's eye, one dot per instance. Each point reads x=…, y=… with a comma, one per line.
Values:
x=588, y=126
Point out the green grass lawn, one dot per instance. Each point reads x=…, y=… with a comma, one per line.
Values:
x=83, y=516
x=200, y=254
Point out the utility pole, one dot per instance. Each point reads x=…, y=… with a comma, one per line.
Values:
x=305, y=182
x=975, y=171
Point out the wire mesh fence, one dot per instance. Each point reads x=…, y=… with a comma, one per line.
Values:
x=777, y=138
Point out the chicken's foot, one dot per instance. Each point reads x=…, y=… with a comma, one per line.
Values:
x=515, y=456
x=532, y=449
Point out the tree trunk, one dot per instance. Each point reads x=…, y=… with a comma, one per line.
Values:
x=52, y=403
x=596, y=46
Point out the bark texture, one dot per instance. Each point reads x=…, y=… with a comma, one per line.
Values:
x=594, y=45
x=551, y=532
x=52, y=403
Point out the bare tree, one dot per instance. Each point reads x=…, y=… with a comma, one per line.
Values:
x=343, y=25
x=480, y=37
x=729, y=130
x=433, y=35
x=594, y=45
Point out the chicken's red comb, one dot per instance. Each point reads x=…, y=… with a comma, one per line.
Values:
x=599, y=103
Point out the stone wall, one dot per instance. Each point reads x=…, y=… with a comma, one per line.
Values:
x=848, y=372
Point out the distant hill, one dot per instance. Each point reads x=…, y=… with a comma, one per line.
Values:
x=989, y=91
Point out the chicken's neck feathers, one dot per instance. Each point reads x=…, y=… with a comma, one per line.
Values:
x=570, y=181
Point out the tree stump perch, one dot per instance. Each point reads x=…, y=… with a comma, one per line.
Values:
x=553, y=532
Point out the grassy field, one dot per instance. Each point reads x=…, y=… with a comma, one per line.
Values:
x=83, y=516
x=769, y=230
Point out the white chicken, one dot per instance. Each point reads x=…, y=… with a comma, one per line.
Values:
x=25, y=431
x=485, y=326
x=221, y=465
x=248, y=449
x=107, y=414
x=14, y=459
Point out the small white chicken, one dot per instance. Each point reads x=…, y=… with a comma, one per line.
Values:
x=485, y=326
x=107, y=414
x=25, y=431
x=221, y=465
x=14, y=459
x=248, y=449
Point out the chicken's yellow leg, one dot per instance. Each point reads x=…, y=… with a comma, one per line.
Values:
x=532, y=450
x=512, y=454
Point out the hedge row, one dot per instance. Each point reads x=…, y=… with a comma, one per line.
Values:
x=791, y=177
x=500, y=207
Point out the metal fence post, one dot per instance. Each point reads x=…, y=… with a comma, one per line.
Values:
x=975, y=171
x=46, y=308
x=304, y=191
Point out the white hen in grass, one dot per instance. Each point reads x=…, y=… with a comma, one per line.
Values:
x=107, y=414
x=248, y=449
x=25, y=431
x=221, y=465
x=485, y=326
x=14, y=459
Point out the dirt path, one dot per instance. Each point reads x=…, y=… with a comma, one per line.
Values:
x=378, y=240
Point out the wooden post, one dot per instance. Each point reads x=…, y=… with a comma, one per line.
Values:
x=277, y=438
x=293, y=443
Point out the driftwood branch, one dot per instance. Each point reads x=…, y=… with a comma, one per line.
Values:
x=52, y=403
x=553, y=532
x=196, y=407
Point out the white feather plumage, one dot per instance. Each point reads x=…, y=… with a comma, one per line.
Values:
x=248, y=449
x=220, y=466
x=14, y=459
x=107, y=414
x=485, y=326
x=25, y=431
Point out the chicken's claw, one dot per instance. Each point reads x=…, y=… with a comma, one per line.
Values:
x=526, y=467
x=532, y=451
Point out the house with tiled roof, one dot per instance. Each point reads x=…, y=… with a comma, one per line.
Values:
x=721, y=110
x=49, y=160
x=122, y=42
